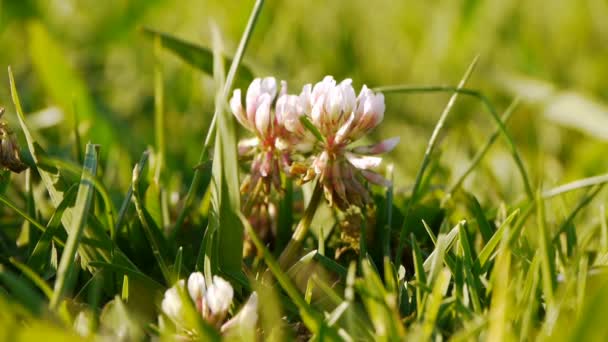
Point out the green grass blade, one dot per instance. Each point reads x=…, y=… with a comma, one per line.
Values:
x=431, y=310
x=488, y=250
x=34, y=277
x=40, y=254
x=22, y=291
x=235, y=66
x=427, y=158
x=81, y=210
x=56, y=188
x=310, y=317
x=225, y=193
x=482, y=152
x=151, y=283
x=547, y=265
x=196, y=55
x=159, y=110
x=490, y=108
x=150, y=229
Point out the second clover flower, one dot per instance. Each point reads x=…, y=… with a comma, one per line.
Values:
x=343, y=118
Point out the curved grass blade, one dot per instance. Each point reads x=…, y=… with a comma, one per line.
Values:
x=150, y=229
x=81, y=209
x=39, y=256
x=490, y=247
x=56, y=188
x=310, y=317
x=198, y=56
x=130, y=272
x=234, y=68
x=486, y=102
x=22, y=291
x=427, y=158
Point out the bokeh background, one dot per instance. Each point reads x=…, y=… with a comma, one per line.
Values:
x=90, y=57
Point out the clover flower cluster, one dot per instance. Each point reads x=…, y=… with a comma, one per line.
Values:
x=311, y=135
x=212, y=302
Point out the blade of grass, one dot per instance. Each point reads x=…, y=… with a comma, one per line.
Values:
x=310, y=317
x=56, y=188
x=234, y=67
x=130, y=272
x=146, y=224
x=486, y=252
x=547, y=265
x=433, y=303
x=196, y=55
x=427, y=157
x=159, y=113
x=81, y=210
x=40, y=254
x=127, y=201
x=486, y=102
x=482, y=152
x=575, y=185
x=27, y=217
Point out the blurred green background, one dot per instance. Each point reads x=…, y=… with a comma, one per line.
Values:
x=90, y=57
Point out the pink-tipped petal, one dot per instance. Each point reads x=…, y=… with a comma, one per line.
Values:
x=262, y=114
x=375, y=178
x=237, y=109
x=381, y=147
x=344, y=131
x=363, y=162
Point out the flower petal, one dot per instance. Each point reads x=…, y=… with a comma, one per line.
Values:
x=375, y=178
x=247, y=317
x=237, y=109
x=381, y=147
x=363, y=162
x=196, y=286
x=262, y=114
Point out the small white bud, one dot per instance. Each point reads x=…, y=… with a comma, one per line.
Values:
x=219, y=296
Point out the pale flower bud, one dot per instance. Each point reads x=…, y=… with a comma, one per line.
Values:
x=219, y=296
x=236, y=107
x=172, y=302
x=262, y=114
x=197, y=288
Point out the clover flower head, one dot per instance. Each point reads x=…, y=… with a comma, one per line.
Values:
x=9, y=149
x=342, y=118
x=211, y=302
x=258, y=117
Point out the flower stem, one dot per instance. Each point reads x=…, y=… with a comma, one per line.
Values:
x=290, y=252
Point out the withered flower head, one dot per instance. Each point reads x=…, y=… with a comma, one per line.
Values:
x=9, y=149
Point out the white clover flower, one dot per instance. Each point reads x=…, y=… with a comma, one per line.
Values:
x=247, y=318
x=342, y=119
x=172, y=302
x=197, y=289
x=219, y=296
